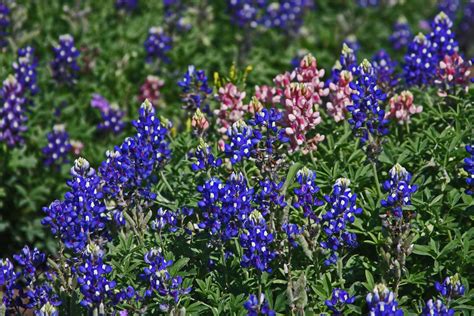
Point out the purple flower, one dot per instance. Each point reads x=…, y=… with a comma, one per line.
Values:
x=399, y=190
x=203, y=158
x=384, y=68
x=126, y=5
x=258, y=306
x=436, y=308
x=469, y=167
x=112, y=116
x=381, y=302
x=367, y=113
x=195, y=90
x=450, y=7
x=12, y=113
x=341, y=212
x=450, y=288
x=442, y=37
x=420, y=62
x=4, y=24
x=401, y=35
x=339, y=300
x=64, y=65
x=256, y=241
x=243, y=141
x=306, y=193
x=157, y=45
x=58, y=147
x=25, y=70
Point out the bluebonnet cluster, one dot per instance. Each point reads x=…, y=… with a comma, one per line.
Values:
x=112, y=116
x=291, y=231
x=467, y=22
x=204, y=159
x=450, y=288
x=469, y=167
x=381, y=302
x=195, y=90
x=347, y=61
x=243, y=140
x=286, y=15
x=401, y=34
x=341, y=212
x=126, y=5
x=12, y=113
x=157, y=45
x=130, y=166
x=64, y=66
x=164, y=218
x=339, y=300
x=267, y=121
x=352, y=42
x=268, y=195
x=442, y=37
x=58, y=147
x=384, y=68
x=258, y=306
x=31, y=286
x=306, y=193
x=224, y=206
x=81, y=217
x=399, y=190
x=160, y=281
x=256, y=241
x=4, y=24
x=436, y=308
x=93, y=279
x=25, y=70
x=367, y=113
x=450, y=7
x=420, y=62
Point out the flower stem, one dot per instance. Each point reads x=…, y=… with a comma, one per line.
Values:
x=376, y=178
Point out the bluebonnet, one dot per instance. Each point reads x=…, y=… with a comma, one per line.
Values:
x=4, y=24
x=286, y=15
x=12, y=113
x=112, y=116
x=30, y=288
x=352, y=42
x=267, y=121
x=64, y=65
x=384, y=68
x=195, y=90
x=381, y=302
x=341, y=212
x=442, y=37
x=243, y=140
x=93, y=277
x=256, y=241
x=450, y=288
x=436, y=308
x=347, y=61
x=306, y=192
x=469, y=167
x=25, y=70
x=164, y=218
x=157, y=45
x=129, y=167
x=420, y=62
x=203, y=158
x=58, y=147
x=258, y=306
x=291, y=231
x=159, y=280
x=269, y=195
x=367, y=113
x=401, y=34
x=450, y=7
x=225, y=206
x=467, y=22
x=126, y=5
x=399, y=190
x=338, y=301
x=82, y=215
